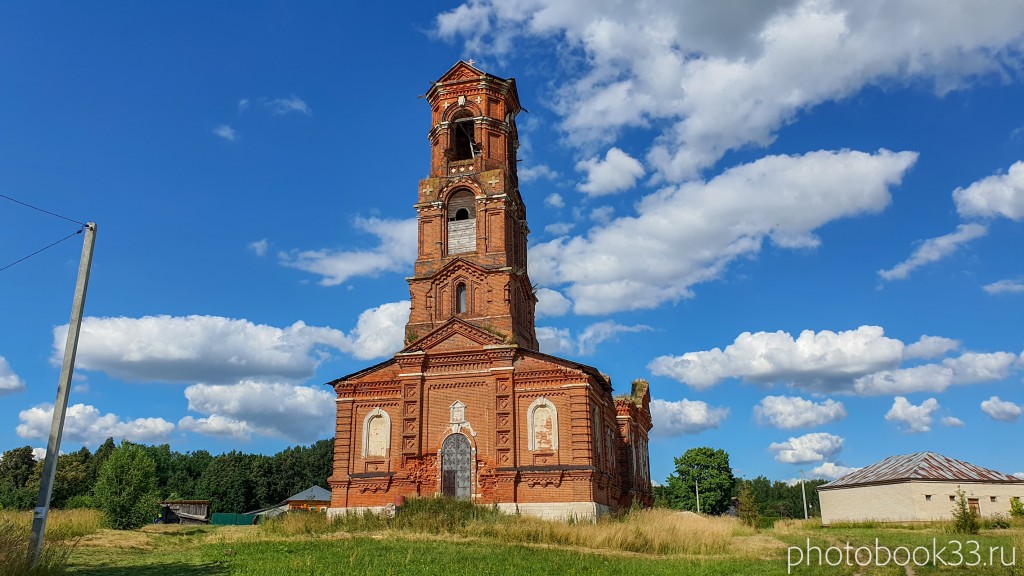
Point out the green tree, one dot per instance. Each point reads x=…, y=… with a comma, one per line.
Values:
x=706, y=469
x=746, y=506
x=965, y=521
x=126, y=490
x=19, y=482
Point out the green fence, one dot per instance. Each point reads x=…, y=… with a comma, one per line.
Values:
x=231, y=519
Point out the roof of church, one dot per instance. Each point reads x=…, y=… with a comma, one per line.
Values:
x=920, y=466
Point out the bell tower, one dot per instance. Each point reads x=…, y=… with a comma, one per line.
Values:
x=471, y=262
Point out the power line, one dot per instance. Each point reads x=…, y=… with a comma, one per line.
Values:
x=16, y=201
x=44, y=248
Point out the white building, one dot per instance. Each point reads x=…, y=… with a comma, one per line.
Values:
x=916, y=487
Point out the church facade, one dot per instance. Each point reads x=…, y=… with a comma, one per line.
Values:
x=471, y=408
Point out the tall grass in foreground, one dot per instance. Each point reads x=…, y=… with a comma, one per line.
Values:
x=656, y=531
x=14, y=537
x=60, y=524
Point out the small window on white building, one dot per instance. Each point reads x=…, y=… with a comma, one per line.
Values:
x=991, y=498
x=928, y=497
x=952, y=498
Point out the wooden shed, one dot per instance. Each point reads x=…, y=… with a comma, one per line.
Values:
x=185, y=512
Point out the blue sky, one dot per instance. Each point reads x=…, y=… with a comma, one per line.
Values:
x=801, y=221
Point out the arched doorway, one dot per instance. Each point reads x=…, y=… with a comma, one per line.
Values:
x=456, y=458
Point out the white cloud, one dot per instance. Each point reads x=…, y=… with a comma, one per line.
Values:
x=226, y=132
x=259, y=247
x=555, y=341
x=551, y=303
x=634, y=262
x=559, y=228
x=594, y=334
x=288, y=105
x=380, y=331
x=617, y=172
x=554, y=200
x=685, y=417
x=952, y=421
x=930, y=347
x=807, y=448
x=934, y=249
x=811, y=361
x=243, y=105
x=538, y=172
x=997, y=195
x=830, y=471
x=1019, y=475
x=1001, y=410
x=711, y=77
x=1005, y=287
x=296, y=413
x=85, y=424
x=395, y=252
x=968, y=368
x=789, y=412
x=40, y=453
x=602, y=214
x=216, y=425
x=912, y=418
x=198, y=348
x=9, y=381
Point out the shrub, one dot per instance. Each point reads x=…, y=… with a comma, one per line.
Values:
x=747, y=506
x=126, y=489
x=1016, y=508
x=965, y=521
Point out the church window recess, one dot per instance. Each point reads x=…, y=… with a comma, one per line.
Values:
x=376, y=434
x=542, y=425
x=460, y=298
x=463, y=141
x=461, y=222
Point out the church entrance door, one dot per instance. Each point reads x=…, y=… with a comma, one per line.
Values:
x=456, y=476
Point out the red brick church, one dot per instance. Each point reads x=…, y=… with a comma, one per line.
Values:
x=471, y=408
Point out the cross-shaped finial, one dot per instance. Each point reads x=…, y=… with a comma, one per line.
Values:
x=471, y=62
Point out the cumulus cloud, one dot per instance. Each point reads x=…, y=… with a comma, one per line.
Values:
x=296, y=413
x=930, y=347
x=711, y=77
x=997, y=195
x=1005, y=287
x=952, y=422
x=559, y=228
x=554, y=200
x=259, y=247
x=807, y=448
x=1001, y=410
x=790, y=412
x=395, y=251
x=380, y=331
x=934, y=249
x=226, y=132
x=617, y=172
x=9, y=381
x=634, y=262
x=685, y=417
x=912, y=418
x=811, y=361
x=830, y=471
x=87, y=425
x=551, y=303
x=555, y=341
x=968, y=368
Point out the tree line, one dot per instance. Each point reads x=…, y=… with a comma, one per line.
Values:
x=232, y=482
x=706, y=471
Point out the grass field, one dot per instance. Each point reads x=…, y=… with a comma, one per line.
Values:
x=475, y=540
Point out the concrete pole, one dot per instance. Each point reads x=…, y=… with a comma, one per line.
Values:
x=803, y=490
x=697, y=489
x=61, y=405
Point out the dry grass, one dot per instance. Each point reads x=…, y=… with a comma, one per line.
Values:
x=60, y=524
x=14, y=539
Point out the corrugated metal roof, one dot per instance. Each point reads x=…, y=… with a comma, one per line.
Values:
x=314, y=493
x=920, y=466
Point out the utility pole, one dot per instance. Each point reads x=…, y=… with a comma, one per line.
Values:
x=697, y=489
x=61, y=405
x=803, y=490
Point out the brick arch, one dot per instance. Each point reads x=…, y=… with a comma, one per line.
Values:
x=471, y=107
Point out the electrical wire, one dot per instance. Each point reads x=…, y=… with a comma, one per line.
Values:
x=16, y=201
x=44, y=248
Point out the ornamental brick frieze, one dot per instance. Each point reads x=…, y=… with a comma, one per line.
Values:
x=455, y=384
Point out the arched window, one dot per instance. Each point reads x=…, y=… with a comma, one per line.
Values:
x=597, y=434
x=462, y=138
x=542, y=425
x=460, y=298
x=376, y=434
x=461, y=222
